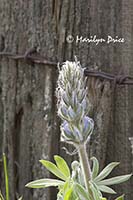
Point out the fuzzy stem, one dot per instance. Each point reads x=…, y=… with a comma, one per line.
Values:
x=85, y=165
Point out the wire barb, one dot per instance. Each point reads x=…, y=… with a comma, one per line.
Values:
x=38, y=59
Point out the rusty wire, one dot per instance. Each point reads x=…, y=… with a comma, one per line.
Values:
x=30, y=56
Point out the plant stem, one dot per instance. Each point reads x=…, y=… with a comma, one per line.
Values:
x=6, y=176
x=85, y=165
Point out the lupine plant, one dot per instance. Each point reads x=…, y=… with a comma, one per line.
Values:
x=81, y=182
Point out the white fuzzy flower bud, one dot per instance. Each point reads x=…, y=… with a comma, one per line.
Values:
x=73, y=103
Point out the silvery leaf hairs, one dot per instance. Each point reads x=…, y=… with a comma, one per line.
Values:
x=73, y=104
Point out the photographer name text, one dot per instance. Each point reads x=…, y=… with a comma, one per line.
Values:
x=94, y=39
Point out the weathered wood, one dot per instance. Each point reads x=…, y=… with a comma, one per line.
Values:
x=29, y=127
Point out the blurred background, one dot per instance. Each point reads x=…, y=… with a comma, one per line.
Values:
x=29, y=126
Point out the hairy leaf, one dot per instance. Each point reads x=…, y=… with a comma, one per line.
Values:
x=106, y=171
x=81, y=191
x=95, y=168
x=62, y=165
x=106, y=189
x=95, y=192
x=68, y=194
x=115, y=180
x=53, y=169
x=43, y=183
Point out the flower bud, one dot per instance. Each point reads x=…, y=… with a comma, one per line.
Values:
x=71, y=132
x=73, y=104
x=87, y=127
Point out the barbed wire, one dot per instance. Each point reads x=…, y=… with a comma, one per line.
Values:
x=37, y=59
x=30, y=56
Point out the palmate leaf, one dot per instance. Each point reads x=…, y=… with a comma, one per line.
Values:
x=115, y=180
x=102, y=185
x=53, y=169
x=62, y=165
x=95, y=169
x=106, y=171
x=43, y=183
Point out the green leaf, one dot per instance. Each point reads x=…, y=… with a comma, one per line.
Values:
x=53, y=169
x=106, y=189
x=62, y=165
x=120, y=198
x=115, y=180
x=43, y=183
x=106, y=171
x=68, y=194
x=95, y=168
x=65, y=187
x=81, y=191
x=95, y=192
